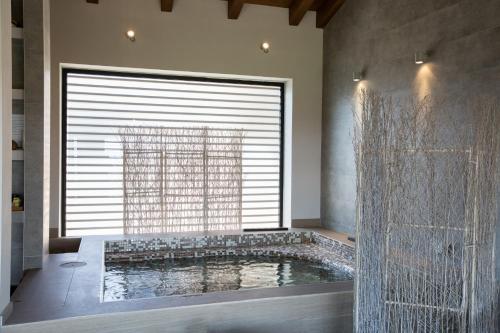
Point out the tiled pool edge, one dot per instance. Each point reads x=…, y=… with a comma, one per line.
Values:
x=320, y=248
x=133, y=245
x=77, y=291
x=345, y=252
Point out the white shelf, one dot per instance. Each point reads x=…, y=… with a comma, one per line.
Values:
x=18, y=155
x=17, y=93
x=18, y=216
x=17, y=33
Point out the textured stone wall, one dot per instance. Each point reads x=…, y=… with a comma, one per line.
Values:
x=380, y=37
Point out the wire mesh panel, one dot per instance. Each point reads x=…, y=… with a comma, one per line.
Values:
x=142, y=187
x=425, y=241
x=181, y=179
x=426, y=220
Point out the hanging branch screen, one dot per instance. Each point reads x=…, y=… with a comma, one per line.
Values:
x=181, y=179
x=426, y=219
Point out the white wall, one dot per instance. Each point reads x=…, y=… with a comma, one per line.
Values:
x=198, y=37
x=5, y=153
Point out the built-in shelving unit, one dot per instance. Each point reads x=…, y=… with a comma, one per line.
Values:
x=18, y=126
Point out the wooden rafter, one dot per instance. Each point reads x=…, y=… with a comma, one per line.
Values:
x=298, y=9
x=234, y=8
x=166, y=5
x=326, y=12
x=325, y=9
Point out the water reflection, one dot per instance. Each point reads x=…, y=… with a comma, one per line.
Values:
x=192, y=276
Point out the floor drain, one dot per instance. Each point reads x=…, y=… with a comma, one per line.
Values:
x=73, y=264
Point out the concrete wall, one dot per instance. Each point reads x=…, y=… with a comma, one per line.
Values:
x=198, y=37
x=36, y=115
x=380, y=37
x=5, y=155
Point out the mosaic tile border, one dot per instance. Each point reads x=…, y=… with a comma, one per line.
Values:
x=302, y=245
x=134, y=246
x=345, y=251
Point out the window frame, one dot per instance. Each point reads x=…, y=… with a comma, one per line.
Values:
x=64, y=125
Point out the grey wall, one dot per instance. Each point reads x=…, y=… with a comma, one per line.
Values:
x=380, y=38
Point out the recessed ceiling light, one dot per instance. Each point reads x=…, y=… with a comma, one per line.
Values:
x=265, y=46
x=131, y=35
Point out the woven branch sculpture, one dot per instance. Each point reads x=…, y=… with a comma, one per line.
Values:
x=426, y=215
x=181, y=179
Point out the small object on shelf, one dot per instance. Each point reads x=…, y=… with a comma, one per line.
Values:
x=18, y=94
x=15, y=146
x=17, y=203
x=17, y=30
x=18, y=155
x=17, y=33
x=18, y=129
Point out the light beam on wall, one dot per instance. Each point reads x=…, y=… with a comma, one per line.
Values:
x=425, y=81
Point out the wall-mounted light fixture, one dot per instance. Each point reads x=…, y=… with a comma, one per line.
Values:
x=265, y=47
x=357, y=76
x=131, y=35
x=420, y=57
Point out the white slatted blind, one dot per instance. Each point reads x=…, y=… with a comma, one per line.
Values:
x=98, y=105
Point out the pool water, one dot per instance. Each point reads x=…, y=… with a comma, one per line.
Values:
x=132, y=280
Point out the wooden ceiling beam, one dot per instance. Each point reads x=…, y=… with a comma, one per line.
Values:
x=325, y=9
x=282, y=3
x=234, y=9
x=166, y=5
x=274, y=3
x=326, y=12
x=298, y=9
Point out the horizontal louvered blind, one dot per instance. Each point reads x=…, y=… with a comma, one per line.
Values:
x=98, y=106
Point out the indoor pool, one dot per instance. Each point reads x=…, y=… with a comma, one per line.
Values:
x=155, y=278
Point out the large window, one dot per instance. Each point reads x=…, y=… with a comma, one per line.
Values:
x=99, y=107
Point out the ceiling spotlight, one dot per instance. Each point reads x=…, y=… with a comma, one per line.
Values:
x=420, y=58
x=357, y=76
x=265, y=46
x=131, y=35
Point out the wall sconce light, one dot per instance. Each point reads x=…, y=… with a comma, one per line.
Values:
x=131, y=35
x=357, y=76
x=420, y=57
x=265, y=46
